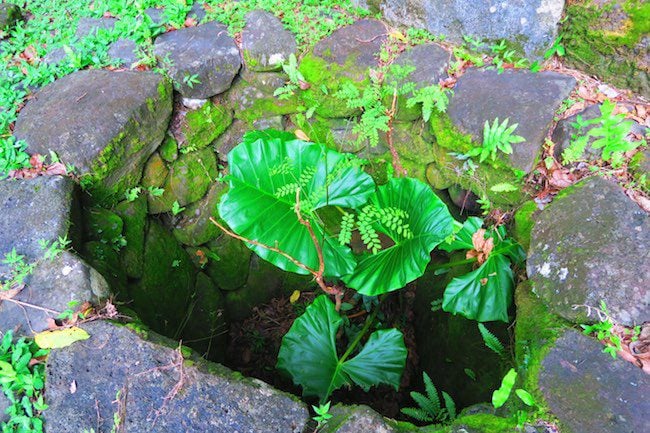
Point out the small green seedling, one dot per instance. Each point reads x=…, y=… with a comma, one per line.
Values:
x=322, y=414
x=429, y=406
x=496, y=137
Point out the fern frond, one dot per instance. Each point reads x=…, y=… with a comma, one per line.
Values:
x=426, y=404
x=450, y=406
x=288, y=189
x=491, y=340
x=368, y=234
x=417, y=414
x=432, y=393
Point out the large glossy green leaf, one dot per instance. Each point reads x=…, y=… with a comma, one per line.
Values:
x=308, y=354
x=265, y=171
x=463, y=239
x=430, y=223
x=483, y=294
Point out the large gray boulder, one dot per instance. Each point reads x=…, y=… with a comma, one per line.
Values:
x=532, y=24
x=123, y=52
x=589, y=392
x=526, y=98
x=104, y=123
x=265, y=42
x=591, y=244
x=428, y=64
x=148, y=389
x=42, y=209
x=205, y=53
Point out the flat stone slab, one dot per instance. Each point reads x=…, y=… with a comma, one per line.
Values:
x=124, y=52
x=43, y=209
x=526, y=98
x=205, y=52
x=589, y=392
x=591, y=244
x=210, y=398
x=265, y=42
x=104, y=123
x=532, y=24
x=34, y=209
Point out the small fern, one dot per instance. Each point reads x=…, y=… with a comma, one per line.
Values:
x=429, y=406
x=430, y=97
x=496, y=137
x=394, y=219
x=491, y=340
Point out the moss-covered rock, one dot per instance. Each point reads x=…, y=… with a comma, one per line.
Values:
x=207, y=329
x=262, y=284
x=168, y=149
x=447, y=169
x=344, y=56
x=102, y=225
x=106, y=260
x=155, y=172
x=161, y=297
x=524, y=223
x=134, y=216
x=189, y=178
x=105, y=123
x=251, y=97
x=535, y=331
x=201, y=127
x=193, y=226
x=230, y=272
x=610, y=39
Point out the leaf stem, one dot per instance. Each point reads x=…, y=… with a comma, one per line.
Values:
x=369, y=321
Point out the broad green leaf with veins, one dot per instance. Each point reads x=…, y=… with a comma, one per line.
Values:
x=430, y=223
x=485, y=293
x=308, y=353
x=266, y=170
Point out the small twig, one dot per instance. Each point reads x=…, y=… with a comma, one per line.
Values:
x=266, y=247
x=397, y=163
x=338, y=294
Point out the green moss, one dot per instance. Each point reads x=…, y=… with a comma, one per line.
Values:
x=155, y=172
x=102, y=225
x=189, y=178
x=485, y=423
x=327, y=78
x=205, y=125
x=134, y=215
x=137, y=327
x=640, y=168
x=524, y=223
x=535, y=330
x=168, y=149
x=595, y=46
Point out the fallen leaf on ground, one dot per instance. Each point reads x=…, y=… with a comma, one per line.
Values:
x=60, y=338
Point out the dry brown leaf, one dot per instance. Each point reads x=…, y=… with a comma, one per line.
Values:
x=300, y=134
x=5, y=295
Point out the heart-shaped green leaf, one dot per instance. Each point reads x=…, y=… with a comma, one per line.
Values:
x=308, y=354
x=483, y=294
x=429, y=222
x=266, y=170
